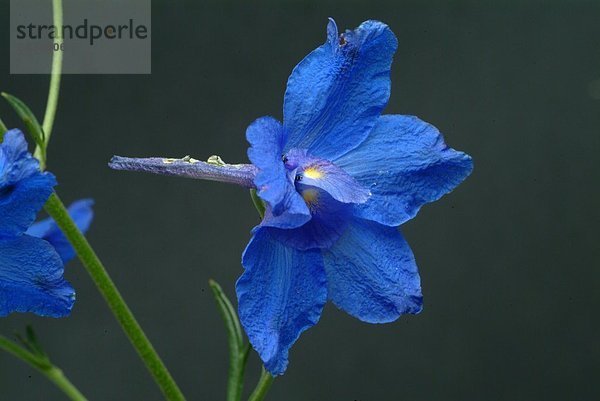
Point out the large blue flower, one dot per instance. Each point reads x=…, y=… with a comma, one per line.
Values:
x=337, y=179
x=31, y=271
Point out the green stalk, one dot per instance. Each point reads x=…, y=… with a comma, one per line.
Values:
x=55, y=75
x=57, y=210
x=44, y=366
x=262, y=388
x=115, y=301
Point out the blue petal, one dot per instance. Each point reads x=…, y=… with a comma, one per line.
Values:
x=81, y=212
x=31, y=278
x=336, y=93
x=325, y=175
x=23, y=188
x=404, y=163
x=372, y=273
x=286, y=220
x=329, y=219
x=281, y=294
x=274, y=185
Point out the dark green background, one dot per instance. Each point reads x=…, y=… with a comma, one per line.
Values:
x=509, y=261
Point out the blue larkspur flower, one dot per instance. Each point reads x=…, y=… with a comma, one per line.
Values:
x=31, y=271
x=337, y=179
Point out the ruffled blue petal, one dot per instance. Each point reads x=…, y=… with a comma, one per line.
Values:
x=404, y=163
x=323, y=174
x=15, y=162
x=23, y=188
x=281, y=294
x=81, y=212
x=275, y=185
x=336, y=93
x=31, y=278
x=372, y=273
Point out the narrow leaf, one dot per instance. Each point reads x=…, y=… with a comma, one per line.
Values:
x=258, y=203
x=34, y=343
x=31, y=343
x=228, y=314
x=24, y=342
x=3, y=129
x=31, y=123
x=24, y=354
x=238, y=352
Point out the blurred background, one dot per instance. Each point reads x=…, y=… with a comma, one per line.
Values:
x=509, y=261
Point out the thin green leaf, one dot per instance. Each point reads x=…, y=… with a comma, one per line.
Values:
x=238, y=352
x=31, y=123
x=43, y=364
x=258, y=203
x=31, y=343
x=34, y=343
x=246, y=352
x=3, y=129
x=24, y=342
x=228, y=314
x=24, y=354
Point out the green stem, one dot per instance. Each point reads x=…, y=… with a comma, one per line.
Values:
x=60, y=380
x=236, y=376
x=237, y=368
x=53, y=373
x=263, y=386
x=115, y=301
x=57, y=61
x=55, y=76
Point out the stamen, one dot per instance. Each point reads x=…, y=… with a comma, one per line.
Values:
x=313, y=172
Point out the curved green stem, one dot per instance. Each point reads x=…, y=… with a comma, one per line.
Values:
x=53, y=373
x=262, y=388
x=115, y=301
